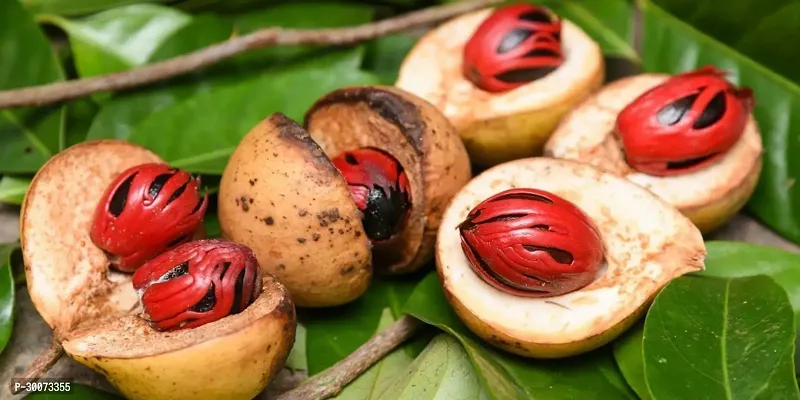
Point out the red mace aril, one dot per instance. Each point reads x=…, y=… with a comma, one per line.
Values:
x=531, y=243
x=197, y=283
x=379, y=187
x=685, y=123
x=516, y=45
x=146, y=210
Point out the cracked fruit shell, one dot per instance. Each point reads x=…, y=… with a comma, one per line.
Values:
x=709, y=196
x=281, y=195
x=500, y=126
x=646, y=243
x=94, y=309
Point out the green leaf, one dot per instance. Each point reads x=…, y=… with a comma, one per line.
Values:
x=80, y=114
x=721, y=339
x=76, y=7
x=28, y=136
x=506, y=377
x=6, y=294
x=334, y=333
x=76, y=392
x=385, y=55
x=672, y=46
x=211, y=222
x=118, y=39
x=200, y=133
x=629, y=356
x=606, y=21
x=441, y=372
x=297, y=357
x=372, y=384
x=12, y=189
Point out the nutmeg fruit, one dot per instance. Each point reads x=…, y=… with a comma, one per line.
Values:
x=690, y=138
x=282, y=194
x=528, y=282
x=504, y=77
x=93, y=309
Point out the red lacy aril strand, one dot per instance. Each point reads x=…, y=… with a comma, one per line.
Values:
x=379, y=187
x=685, y=123
x=146, y=210
x=515, y=45
x=197, y=283
x=531, y=243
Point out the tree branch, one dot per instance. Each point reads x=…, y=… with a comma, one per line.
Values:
x=330, y=382
x=68, y=90
x=46, y=359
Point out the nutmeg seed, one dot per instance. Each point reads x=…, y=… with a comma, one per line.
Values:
x=531, y=243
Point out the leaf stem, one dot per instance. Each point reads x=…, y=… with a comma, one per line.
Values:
x=68, y=90
x=47, y=358
x=331, y=381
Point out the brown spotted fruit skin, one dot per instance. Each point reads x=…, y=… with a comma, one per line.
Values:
x=281, y=196
x=415, y=133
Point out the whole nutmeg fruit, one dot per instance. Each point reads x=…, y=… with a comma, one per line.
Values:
x=531, y=243
x=197, y=283
x=515, y=45
x=685, y=123
x=147, y=209
x=379, y=186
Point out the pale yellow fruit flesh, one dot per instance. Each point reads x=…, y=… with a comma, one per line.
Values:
x=233, y=358
x=709, y=197
x=498, y=127
x=647, y=243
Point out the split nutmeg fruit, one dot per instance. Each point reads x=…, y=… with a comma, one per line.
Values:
x=549, y=258
x=362, y=183
x=689, y=138
x=93, y=308
x=504, y=77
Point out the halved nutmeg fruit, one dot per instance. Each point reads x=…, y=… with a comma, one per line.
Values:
x=223, y=320
x=363, y=183
x=504, y=77
x=689, y=138
x=549, y=258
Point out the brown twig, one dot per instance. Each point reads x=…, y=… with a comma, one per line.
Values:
x=68, y=90
x=330, y=382
x=47, y=358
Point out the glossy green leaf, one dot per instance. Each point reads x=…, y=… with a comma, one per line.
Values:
x=120, y=116
x=297, y=360
x=76, y=7
x=7, y=294
x=374, y=382
x=12, y=189
x=334, y=333
x=76, y=392
x=441, y=372
x=630, y=359
x=211, y=222
x=507, y=377
x=385, y=55
x=200, y=133
x=721, y=339
x=80, y=114
x=671, y=45
x=28, y=136
x=606, y=21
x=120, y=38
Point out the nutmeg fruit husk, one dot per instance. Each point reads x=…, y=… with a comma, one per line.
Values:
x=94, y=309
x=499, y=127
x=281, y=195
x=646, y=242
x=709, y=197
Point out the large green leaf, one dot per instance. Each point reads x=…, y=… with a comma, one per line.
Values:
x=374, y=382
x=507, y=377
x=76, y=7
x=6, y=294
x=385, y=55
x=200, y=133
x=671, y=45
x=12, y=189
x=629, y=356
x=334, y=333
x=120, y=38
x=721, y=339
x=441, y=372
x=607, y=21
x=28, y=137
x=297, y=360
x=120, y=116
x=76, y=392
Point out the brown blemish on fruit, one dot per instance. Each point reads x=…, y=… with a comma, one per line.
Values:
x=315, y=236
x=301, y=240
x=269, y=221
x=302, y=212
